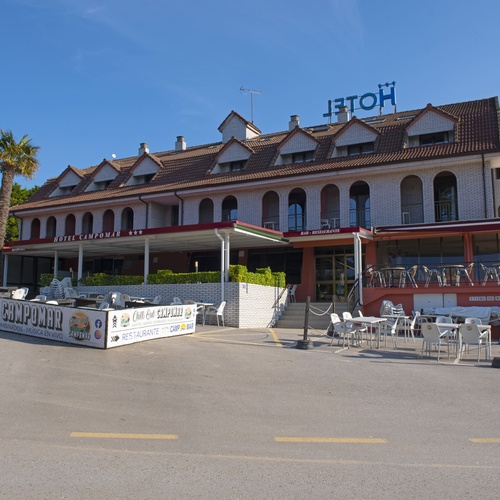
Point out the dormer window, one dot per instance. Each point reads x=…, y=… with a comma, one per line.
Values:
x=102, y=176
x=298, y=157
x=431, y=126
x=67, y=182
x=298, y=146
x=232, y=157
x=142, y=179
x=359, y=149
x=65, y=190
x=101, y=186
x=143, y=172
x=232, y=166
x=435, y=138
x=355, y=138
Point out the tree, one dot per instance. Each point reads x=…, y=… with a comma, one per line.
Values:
x=19, y=195
x=16, y=158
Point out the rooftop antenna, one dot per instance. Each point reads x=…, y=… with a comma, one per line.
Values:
x=251, y=92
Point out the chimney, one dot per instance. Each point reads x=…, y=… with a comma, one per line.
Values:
x=294, y=122
x=344, y=114
x=180, y=144
x=143, y=148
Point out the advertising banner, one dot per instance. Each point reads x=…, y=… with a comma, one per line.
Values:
x=126, y=326
x=53, y=322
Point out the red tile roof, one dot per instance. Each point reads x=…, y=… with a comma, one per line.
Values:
x=477, y=131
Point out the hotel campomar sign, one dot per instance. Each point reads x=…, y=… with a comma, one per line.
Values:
x=97, y=236
x=367, y=101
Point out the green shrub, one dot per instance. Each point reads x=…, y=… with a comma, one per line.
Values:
x=101, y=279
x=167, y=277
x=237, y=274
x=263, y=276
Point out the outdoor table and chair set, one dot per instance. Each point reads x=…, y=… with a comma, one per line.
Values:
x=444, y=275
x=436, y=332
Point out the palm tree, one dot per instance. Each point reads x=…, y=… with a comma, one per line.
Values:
x=16, y=158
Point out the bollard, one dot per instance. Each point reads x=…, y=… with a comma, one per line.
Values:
x=305, y=343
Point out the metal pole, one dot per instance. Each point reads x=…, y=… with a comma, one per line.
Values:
x=305, y=343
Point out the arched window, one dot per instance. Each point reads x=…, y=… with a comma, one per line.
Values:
x=359, y=205
x=271, y=210
x=445, y=197
x=206, y=211
x=87, y=223
x=412, y=200
x=108, y=221
x=330, y=206
x=297, y=210
x=69, y=225
x=229, y=208
x=51, y=227
x=35, y=229
x=127, y=219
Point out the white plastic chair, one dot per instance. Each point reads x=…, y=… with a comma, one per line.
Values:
x=103, y=305
x=432, y=336
x=176, y=301
x=39, y=298
x=325, y=224
x=116, y=300
x=345, y=331
x=71, y=293
x=391, y=328
x=358, y=330
x=473, y=321
x=218, y=312
x=471, y=335
x=20, y=293
x=125, y=297
x=334, y=320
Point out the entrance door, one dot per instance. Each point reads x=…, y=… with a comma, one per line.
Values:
x=334, y=273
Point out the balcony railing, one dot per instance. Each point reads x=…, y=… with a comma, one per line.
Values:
x=361, y=218
x=445, y=211
x=271, y=222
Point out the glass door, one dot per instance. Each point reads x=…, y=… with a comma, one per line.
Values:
x=334, y=273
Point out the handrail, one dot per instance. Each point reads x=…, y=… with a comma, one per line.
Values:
x=353, y=294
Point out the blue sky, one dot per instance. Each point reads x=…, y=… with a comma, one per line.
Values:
x=86, y=79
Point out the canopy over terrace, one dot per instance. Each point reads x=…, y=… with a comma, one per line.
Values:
x=196, y=237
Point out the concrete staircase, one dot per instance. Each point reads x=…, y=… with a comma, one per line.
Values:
x=293, y=315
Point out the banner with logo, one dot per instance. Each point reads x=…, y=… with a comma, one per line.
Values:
x=126, y=326
x=94, y=327
x=54, y=322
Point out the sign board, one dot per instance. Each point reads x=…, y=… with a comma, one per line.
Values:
x=367, y=101
x=54, y=322
x=126, y=326
x=94, y=327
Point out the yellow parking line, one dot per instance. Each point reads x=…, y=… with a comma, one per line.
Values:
x=330, y=440
x=275, y=337
x=115, y=435
x=484, y=440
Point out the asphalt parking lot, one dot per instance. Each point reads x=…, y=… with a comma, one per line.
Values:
x=230, y=413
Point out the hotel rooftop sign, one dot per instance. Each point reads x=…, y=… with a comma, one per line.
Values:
x=368, y=101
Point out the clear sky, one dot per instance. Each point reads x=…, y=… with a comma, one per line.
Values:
x=86, y=79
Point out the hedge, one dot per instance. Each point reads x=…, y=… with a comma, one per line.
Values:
x=263, y=276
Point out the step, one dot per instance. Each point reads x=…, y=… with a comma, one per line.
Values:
x=319, y=315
